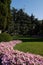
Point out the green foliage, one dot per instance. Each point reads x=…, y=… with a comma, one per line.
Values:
x=25, y=24
x=5, y=37
x=4, y=14
x=32, y=47
x=27, y=38
x=18, y=22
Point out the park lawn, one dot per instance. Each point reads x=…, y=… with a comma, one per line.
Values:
x=31, y=47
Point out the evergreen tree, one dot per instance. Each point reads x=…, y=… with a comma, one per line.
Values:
x=4, y=13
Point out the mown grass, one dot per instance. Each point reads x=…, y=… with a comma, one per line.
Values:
x=31, y=47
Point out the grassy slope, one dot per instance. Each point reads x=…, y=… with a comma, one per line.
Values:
x=32, y=47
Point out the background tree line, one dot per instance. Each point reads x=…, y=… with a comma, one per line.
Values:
x=23, y=24
x=18, y=22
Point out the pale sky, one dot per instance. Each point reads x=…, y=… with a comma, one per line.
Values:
x=30, y=6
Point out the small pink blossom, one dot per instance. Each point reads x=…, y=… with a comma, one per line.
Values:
x=9, y=56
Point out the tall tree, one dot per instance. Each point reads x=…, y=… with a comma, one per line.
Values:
x=4, y=13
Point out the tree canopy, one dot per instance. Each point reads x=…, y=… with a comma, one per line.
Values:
x=4, y=13
x=17, y=21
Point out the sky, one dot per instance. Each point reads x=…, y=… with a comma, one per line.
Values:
x=34, y=7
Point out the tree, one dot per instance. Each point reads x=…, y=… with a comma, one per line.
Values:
x=25, y=24
x=4, y=13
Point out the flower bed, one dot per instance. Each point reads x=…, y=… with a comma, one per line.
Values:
x=9, y=56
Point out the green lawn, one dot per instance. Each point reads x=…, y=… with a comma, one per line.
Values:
x=32, y=47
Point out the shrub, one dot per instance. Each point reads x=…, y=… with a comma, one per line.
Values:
x=5, y=37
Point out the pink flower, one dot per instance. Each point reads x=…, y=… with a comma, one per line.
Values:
x=9, y=56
